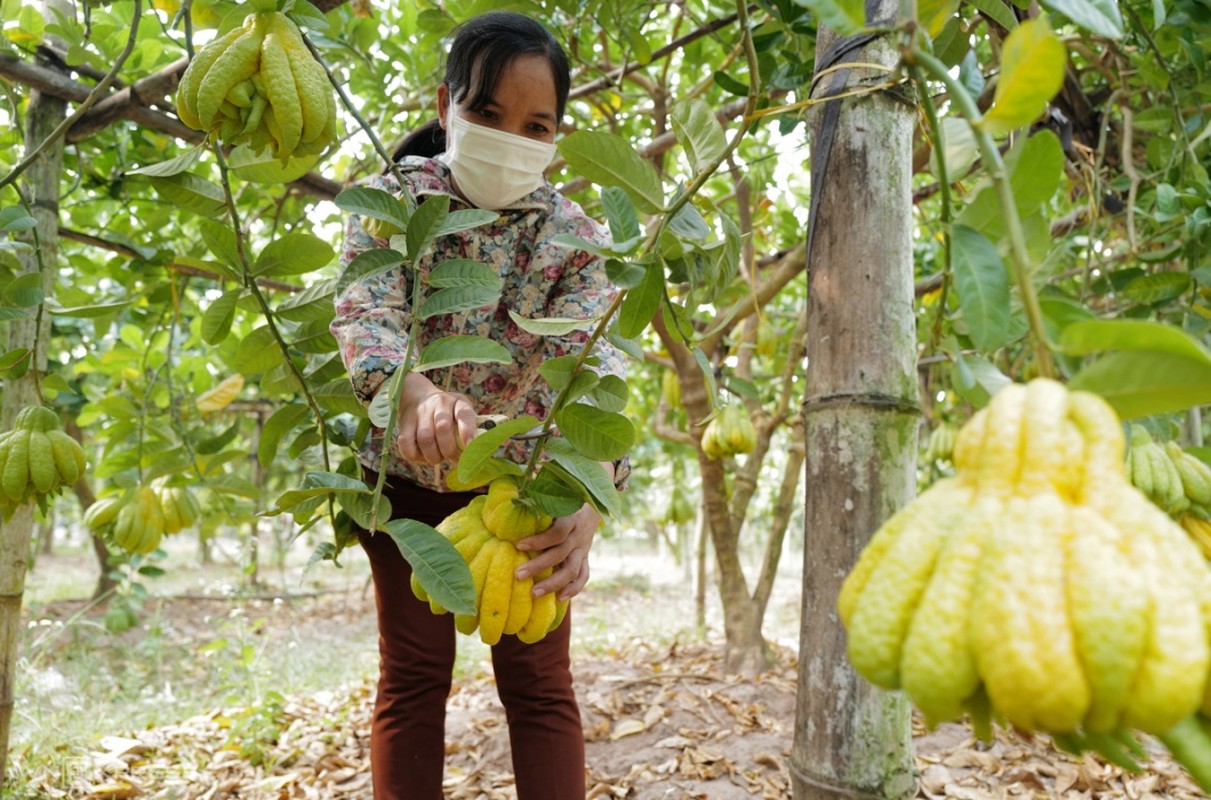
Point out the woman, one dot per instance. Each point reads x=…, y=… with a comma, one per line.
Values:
x=499, y=107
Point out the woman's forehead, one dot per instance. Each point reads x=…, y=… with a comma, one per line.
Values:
x=527, y=77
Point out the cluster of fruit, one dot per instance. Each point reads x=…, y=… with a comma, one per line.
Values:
x=484, y=534
x=1172, y=478
x=259, y=84
x=1039, y=586
x=729, y=433
x=138, y=519
x=941, y=443
x=37, y=460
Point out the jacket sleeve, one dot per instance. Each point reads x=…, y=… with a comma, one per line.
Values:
x=373, y=314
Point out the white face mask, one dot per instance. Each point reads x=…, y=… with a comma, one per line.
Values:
x=493, y=168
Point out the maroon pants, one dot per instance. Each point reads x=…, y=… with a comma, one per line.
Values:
x=416, y=649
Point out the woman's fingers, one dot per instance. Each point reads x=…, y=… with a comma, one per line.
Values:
x=436, y=429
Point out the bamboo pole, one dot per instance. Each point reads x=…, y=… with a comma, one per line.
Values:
x=860, y=413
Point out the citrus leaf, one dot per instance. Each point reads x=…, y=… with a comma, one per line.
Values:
x=293, y=254
x=983, y=286
x=551, y=326
x=218, y=316
x=1141, y=383
x=450, y=350
x=439, y=569
x=1032, y=70
x=596, y=434
x=609, y=160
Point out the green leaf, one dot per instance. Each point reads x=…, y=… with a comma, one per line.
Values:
x=596, y=434
x=13, y=219
x=999, y=11
x=366, y=514
x=610, y=394
x=1036, y=169
x=484, y=446
x=313, y=303
x=582, y=384
x=551, y=326
x=293, y=254
x=214, y=444
x=490, y=470
x=221, y=242
x=1141, y=383
x=455, y=300
x=1095, y=336
x=556, y=492
x=191, y=193
x=85, y=312
x=610, y=160
x=337, y=397
x=172, y=166
x=983, y=287
x=218, y=316
x=1032, y=70
x=425, y=224
x=465, y=220
x=14, y=358
x=318, y=484
x=439, y=569
x=24, y=291
x=846, y=17
x=450, y=350
x=375, y=204
x=590, y=474
x=934, y=14
x=699, y=132
x=620, y=213
x=262, y=166
x=689, y=224
x=460, y=272
x=366, y=263
x=558, y=371
x=1155, y=289
x=642, y=302
x=258, y=352
x=977, y=379
x=623, y=274
x=729, y=84
x=1099, y=16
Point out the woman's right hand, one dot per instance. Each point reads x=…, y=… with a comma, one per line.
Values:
x=434, y=426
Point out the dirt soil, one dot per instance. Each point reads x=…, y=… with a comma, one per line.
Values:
x=661, y=721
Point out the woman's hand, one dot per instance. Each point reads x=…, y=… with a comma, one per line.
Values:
x=565, y=547
x=434, y=426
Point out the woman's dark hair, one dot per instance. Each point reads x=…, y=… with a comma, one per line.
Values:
x=482, y=48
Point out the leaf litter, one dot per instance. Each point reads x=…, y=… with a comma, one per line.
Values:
x=662, y=721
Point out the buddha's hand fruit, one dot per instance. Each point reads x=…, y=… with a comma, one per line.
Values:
x=508, y=517
x=180, y=508
x=260, y=84
x=37, y=459
x=1036, y=585
x=941, y=443
x=138, y=526
x=504, y=606
x=730, y=433
x=1152, y=470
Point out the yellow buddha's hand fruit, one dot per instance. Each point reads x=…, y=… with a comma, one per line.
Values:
x=508, y=517
x=731, y=432
x=504, y=606
x=139, y=524
x=1039, y=585
x=259, y=84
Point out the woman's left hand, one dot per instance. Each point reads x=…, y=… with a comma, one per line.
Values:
x=565, y=547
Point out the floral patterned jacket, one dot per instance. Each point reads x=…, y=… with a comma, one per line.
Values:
x=541, y=279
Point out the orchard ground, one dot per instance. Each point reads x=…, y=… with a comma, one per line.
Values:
x=265, y=693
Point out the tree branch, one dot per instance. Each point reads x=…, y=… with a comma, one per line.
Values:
x=130, y=252
x=612, y=78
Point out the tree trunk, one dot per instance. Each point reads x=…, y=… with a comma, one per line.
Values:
x=861, y=413
x=42, y=191
x=704, y=542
